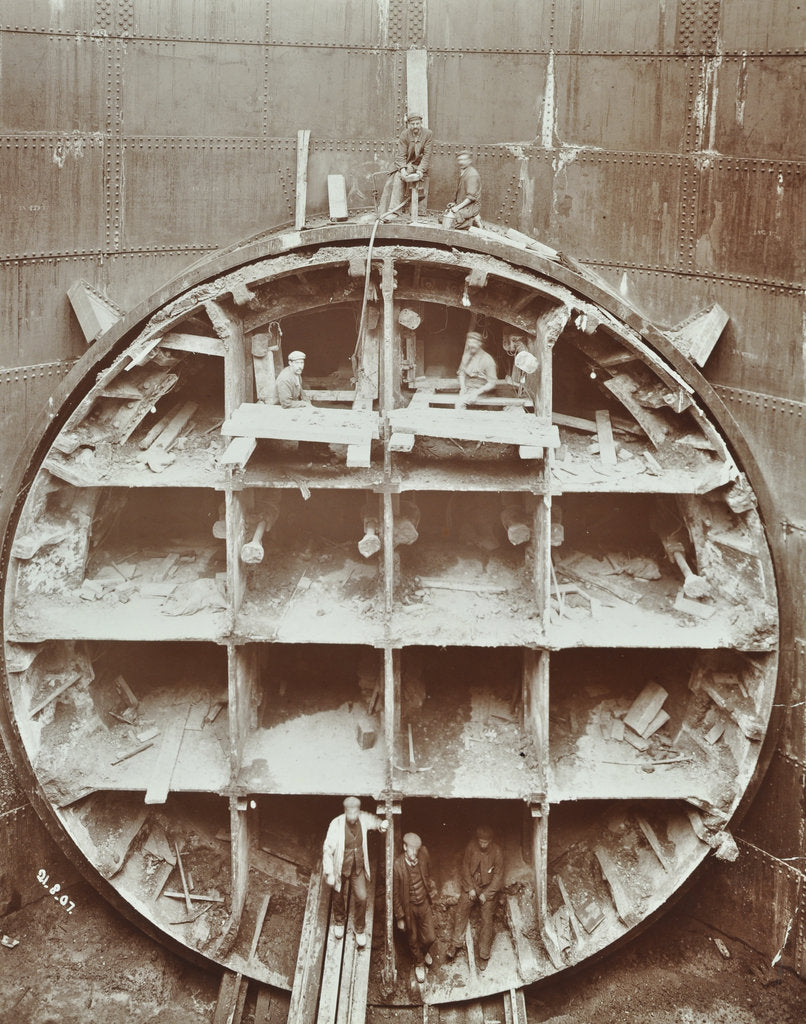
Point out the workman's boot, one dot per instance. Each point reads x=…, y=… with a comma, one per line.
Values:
x=338, y=931
x=360, y=939
x=419, y=973
x=428, y=959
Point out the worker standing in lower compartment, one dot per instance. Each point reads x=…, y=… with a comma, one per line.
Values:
x=414, y=889
x=288, y=386
x=345, y=860
x=482, y=875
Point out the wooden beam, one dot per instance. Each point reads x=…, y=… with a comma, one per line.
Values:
x=238, y=452
x=236, y=538
x=95, y=312
x=607, y=446
x=311, y=951
x=417, y=83
x=527, y=961
x=337, y=197
x=160, y=782
x=303, y=140
x=195, y=343
x=238, y=385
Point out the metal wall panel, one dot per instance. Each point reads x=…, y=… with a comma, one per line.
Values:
x=615, y=26
x=485, y=98
x=191, y=89
x=335, y=23
x=204, y=192
x=337, y=93
x=47, y=16
x=129, y=278
x=763, y=26
x=479, y=25
x=44, y=327
x=774, y=428
x=25, y=847
x=51, y=83
x=52, y=191
x=775, y=820
x=753, y=899
x=591, y=209
x=750, y=220
x=622, y=103
x=792, y=740
x=759, y=107
x=230, y=20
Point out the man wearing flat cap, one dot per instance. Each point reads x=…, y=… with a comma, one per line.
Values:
x=288, y=386
x=345, y=860
x=412, y=160
x=477, y=371
x=414, y=889
x=482, y=874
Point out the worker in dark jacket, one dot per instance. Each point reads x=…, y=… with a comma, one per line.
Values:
x=288, y=386
x=466, y=205
x=413, y=891
x=482, y=875
x=412, y=160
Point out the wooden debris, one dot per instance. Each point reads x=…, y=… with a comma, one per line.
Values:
x=527, y=961
x=73, y=678
x=237, y=453
x=471, y=953
x=645, y=707
x=460, y=585
x=621, y=899
x=303, y=141
x=695, y=608
x=160, y=783
x=635, y=740
x=131, y=753
x=337, y=197
x=654, y=842
x=576, y=924
x=185, y=890
x=366, y=733
x=196, y=343
x=660, y=719
x=607, y=447
x=158, y=846
x=623, y=386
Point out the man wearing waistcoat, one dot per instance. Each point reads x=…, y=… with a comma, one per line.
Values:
x=412, y=160
x=345, y=859
x=413, y=891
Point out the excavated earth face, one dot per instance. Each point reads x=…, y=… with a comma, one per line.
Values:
x=552, y=610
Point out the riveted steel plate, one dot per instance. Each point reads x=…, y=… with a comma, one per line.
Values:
x=47, y=16
x=336, y=93
x=35, y=295
x=54, y=191
x=614, y=26
x=767, y=26
x=505, y=25
x=591, y=211
x=621, y=103
x=201, y=193
x=488, y=85
x=749, y=217
x=752, y=899
x=183, y=19
x=775, y=821
x=774, y=429
x=335, y=23
x=52, y=83
x=793, y=731
x=129, y=278
x=760, y=107
x=192, y=89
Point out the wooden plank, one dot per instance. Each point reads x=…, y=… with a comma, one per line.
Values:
x=94, y=311
x=260, y=920
x=337, y=197
x=471, y=954
x=652, y=423
x=645, y=706
x=654, y=842
x=618, y=890
x=352, y=1007
x=527, y=961
x=263, y=1005
x=417, y=83
x=228, y=992
x=74, y=678
x=607, y=447
x=331, y=973
x=196, y=343
x=358, y=455
x=311, y=950
x=339, y=426
x=160, y=782
x=239, y=451
x=303, y=141
x=697, y=337
x=496, y=427
x=400, y=442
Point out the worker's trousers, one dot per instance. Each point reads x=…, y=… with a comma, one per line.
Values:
x=420, y=931
x=358, y=884
x=462, y=916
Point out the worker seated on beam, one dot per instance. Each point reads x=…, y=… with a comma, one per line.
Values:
x=466, y=206
x=288, y=386
x=414, y=889
x=482, y=874
x=345, y=859
x=412, y=160
x=477, y=371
